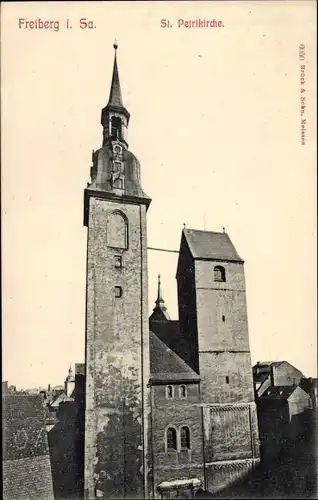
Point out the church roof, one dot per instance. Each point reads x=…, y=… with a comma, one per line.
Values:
x=210, y=245
x=166, y=365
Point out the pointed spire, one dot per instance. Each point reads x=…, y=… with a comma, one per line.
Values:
x=160, y=302
x=160, y=311
x=70, y=371
x=115, y=97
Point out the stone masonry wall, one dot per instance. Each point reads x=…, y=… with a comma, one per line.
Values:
x=180, y=464
x=231, y=443
x=117, y=363
x=225, y=363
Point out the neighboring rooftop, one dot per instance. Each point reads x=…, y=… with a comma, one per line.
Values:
x=27, y=471
x=279, y=392
x=211, y=245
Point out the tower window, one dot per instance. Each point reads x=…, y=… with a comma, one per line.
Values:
x=118, y=261
x=118, y=292
x=116, y=127
x=227, y=379
x=182, y=391
x=219, y=274
x=117, y=166
x=223, y=318
x=171, y=439
x=118, y=183
x=185, y=438
x=169, y=392
x=117, y=231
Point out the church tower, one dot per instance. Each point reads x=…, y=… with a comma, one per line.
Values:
x=213, y=320
x=117, y=332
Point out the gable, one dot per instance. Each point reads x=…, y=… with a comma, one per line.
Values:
x=166, y=365
x=211, y=245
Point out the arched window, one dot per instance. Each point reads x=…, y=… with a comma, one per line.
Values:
x=182, y=391
x=185, y=438
x=169, y=392
x=171, y=439
x=117, y=166
x=116, y=127
x=119, y=183
x=117, y=231
x=219, y=273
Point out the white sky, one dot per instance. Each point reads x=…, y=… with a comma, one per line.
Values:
x=215, y=122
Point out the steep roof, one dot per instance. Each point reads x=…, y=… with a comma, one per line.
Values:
x=166, y=365
x=58, y=399
x=268, y=363
x=27, y=471
x=279, y=392
x=211, y=245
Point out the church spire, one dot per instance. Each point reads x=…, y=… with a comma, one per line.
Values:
x=160, y=302
x=115, y=97
x=160, y=311
x=115, y=117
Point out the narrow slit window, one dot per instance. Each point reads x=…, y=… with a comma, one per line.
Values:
x=118, y=292
x=223, y=318
x=227, y=379
x=118, y=261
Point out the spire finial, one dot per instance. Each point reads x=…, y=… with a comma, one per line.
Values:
x=115, y=45
x=223, y=229
x=159, y=300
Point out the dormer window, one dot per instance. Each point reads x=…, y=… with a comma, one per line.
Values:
x=219, y=274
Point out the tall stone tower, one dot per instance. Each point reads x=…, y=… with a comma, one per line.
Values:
x=117, y=332
x=213, y=320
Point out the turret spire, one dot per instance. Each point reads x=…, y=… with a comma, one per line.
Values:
x=160, y=302
x=160, y=311
x=115, y=97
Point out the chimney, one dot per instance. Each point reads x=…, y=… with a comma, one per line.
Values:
x=49, y=387
x=273, y=375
